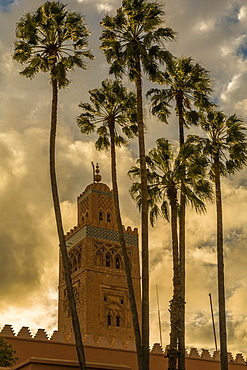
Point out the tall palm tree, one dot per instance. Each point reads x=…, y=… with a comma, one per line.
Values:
x=133, y=42
x=166, y=177
x=53, y=39
x=187, y=84
x=112, y=105
x=226, y=148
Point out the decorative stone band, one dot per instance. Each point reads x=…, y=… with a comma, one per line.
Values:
x=100, y=233
x=84, y=195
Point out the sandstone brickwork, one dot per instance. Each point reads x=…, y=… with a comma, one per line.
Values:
x=97, y=268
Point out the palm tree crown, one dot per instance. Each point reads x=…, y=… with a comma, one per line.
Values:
x=226, y=138
x=186, y=83
x=111, y=104
x=166, y=174
x=51, y=39
x=136, y=35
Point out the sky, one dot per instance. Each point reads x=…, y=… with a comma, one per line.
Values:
x=212, y=32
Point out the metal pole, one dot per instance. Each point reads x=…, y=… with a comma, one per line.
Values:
x=212, y=313
x=159, y=315
x=93, y=171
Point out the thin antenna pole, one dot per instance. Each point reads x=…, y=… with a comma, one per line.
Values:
x=212, y=313
x=93, y=171
x=159, y=315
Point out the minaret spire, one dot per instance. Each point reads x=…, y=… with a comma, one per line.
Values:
x=96, y=175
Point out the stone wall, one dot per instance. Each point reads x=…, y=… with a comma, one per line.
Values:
x=111, y=352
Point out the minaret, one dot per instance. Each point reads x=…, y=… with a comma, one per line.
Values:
x=97, y=268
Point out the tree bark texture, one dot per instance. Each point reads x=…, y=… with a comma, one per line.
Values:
x=175, y=303
x=181, y=345
x=144, y=222
x=58, y=217
x=129, y=280
x=220, y=263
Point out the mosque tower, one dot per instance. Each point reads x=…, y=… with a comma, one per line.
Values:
x=97, y=269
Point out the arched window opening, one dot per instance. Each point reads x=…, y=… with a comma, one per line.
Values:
x=121, y=301
x=117, y=260
x=100, y=216
x=109, y=320
x=108, y=260
x=99, y=259
x=74, y=267
x=117, y=320
x=108, y=217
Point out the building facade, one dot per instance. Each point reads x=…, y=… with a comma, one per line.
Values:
x=97, y=268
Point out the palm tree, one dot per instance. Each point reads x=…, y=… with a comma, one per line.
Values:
x=133, y=42
x=226, y=148
x=166, y=177
x=188, y=85
x=54, y=40
x=110, y=105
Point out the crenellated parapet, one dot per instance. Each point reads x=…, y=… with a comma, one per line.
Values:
x=201, y=354
x=102, y=342
x=129, y=230
x=71, y=232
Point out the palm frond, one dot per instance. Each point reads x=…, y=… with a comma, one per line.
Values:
x=52, y=39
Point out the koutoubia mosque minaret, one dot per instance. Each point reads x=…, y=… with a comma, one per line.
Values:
x=98, y=270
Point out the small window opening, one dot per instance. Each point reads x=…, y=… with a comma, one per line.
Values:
x=107, y=260
x=109, y=320
x=118, y=321
x=108, y=217
x=105, y=299
x=100, y=216
x=121, y=301
x=117, y=263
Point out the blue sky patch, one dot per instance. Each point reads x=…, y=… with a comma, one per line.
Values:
x=4, y=4
x=242, y=49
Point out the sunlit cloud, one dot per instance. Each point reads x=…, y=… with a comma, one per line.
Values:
x=104, y=7
x=242, y=15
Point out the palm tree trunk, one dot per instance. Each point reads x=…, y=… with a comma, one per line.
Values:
x=144, y=222
x=220, y=263
x=181, y=346
x=131, y=291
x=175, y=302
x=62, y=244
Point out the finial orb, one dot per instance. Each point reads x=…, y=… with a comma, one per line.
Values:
x=97, y=176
